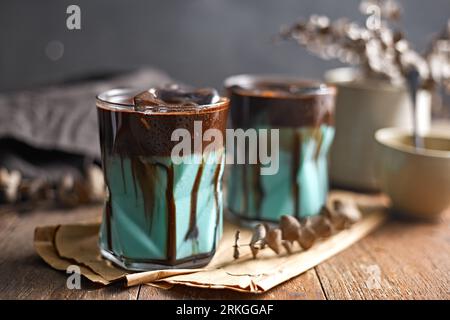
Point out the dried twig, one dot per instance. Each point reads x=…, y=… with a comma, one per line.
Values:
x=338, y=215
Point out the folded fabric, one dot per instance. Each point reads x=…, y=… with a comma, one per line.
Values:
x=60, y=118
x=49, y=139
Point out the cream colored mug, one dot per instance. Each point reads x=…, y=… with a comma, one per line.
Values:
x=363, y=107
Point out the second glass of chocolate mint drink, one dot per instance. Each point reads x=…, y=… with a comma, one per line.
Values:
x=160, y=213
x=303, y=111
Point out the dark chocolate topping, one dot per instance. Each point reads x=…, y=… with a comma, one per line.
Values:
x=278, y=89
x=130, y=132
x=280, y=102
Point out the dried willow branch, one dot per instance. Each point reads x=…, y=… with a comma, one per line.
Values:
x=380, y=52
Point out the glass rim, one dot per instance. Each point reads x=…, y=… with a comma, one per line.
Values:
x=114, y=99
x=244, y=84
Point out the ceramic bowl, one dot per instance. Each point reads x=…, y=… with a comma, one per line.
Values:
x=416, y=180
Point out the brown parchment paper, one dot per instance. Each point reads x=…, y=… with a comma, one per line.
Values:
x=64, y=245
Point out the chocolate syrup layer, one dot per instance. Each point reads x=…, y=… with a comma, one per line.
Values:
x=127, y=132
x=281, y=103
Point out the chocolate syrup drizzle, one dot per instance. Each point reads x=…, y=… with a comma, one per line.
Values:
x=123, y=175
x=108, y=217
x=245, y=187
x=192, y=232
x=104, y=127
x=216, y=197
x=171, y=217
x=258, y=188
x=296, y=158
x=318, y=135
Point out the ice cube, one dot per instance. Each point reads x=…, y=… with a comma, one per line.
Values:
x=147, y=99
x=207, y=95
x=184, y=96
x=172, y=96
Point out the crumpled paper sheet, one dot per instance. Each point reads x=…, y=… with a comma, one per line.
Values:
x=64, y=245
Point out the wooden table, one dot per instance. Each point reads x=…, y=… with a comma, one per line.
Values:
x=401, y=260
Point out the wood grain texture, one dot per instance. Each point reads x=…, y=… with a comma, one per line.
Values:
x=23, y=275
x=303, y=287
x=402, y=260
x=413, y=259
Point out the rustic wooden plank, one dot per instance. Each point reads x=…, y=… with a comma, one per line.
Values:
x=303, y=287
x=412, y=260
x=25, y=276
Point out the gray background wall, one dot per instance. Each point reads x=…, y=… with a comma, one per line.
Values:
x=196, y=41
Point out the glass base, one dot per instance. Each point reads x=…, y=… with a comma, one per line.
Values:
x=193, y=262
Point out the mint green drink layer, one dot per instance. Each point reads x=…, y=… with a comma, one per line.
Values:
x=300, y=187
x=140, y=232
x=303, y=112
x=161, y=211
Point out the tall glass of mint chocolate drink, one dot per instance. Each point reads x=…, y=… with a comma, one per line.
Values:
x=303, y=111
x=161, y=212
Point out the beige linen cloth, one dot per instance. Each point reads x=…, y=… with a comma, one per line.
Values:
x=64, y=245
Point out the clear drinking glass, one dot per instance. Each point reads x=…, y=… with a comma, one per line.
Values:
x=303, y=111
x=158, y=214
